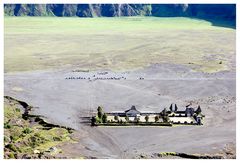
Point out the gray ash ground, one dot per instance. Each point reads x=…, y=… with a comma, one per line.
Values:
x=66, y=101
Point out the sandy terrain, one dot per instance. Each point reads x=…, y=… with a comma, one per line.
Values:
x=66, y=101
x=179, y=60
x=116, y=43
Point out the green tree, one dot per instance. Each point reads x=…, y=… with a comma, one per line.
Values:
x=146, y=118
x=27, y=130
x=98, y=120
x=11, y=155
x=100, y=112
x=104, y=118
x=7, y=126
x=116, y=118
x=93, y=120
x=12, y=147
x=137, y=119
x=164, y=112
x=156, y=118
x=99, y=109
x=166, y=118
x=127, y=119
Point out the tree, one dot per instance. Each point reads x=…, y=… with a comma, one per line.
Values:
x=100, y=112
x=116, y=118
x=27, y=130
x=93, y=120
x=137, y=119
x=99, y=109
x=164, y=112
x=104, y=118
x=127, y=118
x=98, y=120
x=146, y=118
x=156, y=118
x=166, y=118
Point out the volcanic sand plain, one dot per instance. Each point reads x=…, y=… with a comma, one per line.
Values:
x=182, y=61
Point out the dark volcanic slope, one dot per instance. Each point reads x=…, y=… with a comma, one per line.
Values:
x=211, y=12
x=207, y=11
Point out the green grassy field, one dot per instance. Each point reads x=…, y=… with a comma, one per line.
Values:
x=36, y=43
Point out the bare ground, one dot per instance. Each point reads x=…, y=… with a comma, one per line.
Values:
x=66, y=102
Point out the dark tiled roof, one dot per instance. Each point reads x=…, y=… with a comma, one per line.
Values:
x=133, y=108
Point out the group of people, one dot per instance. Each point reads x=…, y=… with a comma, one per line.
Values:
x=96, y=78
x=102, y=77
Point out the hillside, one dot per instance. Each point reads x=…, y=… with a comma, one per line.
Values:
x=226, y=12
x=29, y=136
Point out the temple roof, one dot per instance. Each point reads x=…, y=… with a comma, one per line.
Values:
x=133, y=109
